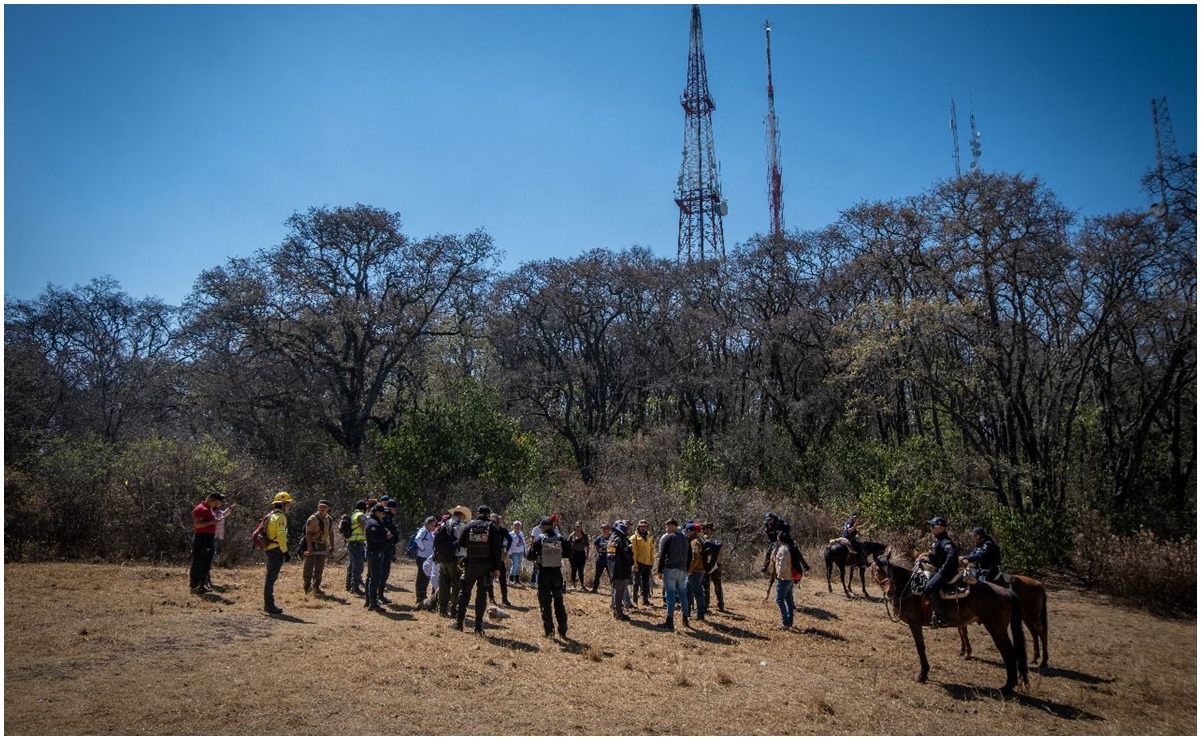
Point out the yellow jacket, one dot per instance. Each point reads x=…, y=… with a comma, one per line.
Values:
x=644, y=549
x=277, y=531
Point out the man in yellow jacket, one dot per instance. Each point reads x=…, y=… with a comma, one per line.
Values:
x=644, y=561
x=277, y=548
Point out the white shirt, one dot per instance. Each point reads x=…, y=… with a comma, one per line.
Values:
x=425, y=542
x=516, y=543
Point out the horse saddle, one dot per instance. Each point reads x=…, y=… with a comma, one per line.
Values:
x=845, y=543
x=956, y=588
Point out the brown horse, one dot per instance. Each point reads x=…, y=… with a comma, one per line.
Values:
x=1033, y=597
x=996, y=608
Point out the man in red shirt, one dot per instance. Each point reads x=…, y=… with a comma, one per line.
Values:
x=204, y=530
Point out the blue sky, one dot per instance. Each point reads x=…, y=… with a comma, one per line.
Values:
x=152, y=142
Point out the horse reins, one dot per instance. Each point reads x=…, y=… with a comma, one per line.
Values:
x=895, y=619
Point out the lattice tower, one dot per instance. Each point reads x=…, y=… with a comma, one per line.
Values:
x=698, y=189
x=775, y=183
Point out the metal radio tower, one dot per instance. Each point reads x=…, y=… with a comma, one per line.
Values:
x=775, y=185
x=1165, y=148
x=698, y=192
x=974, y=142
x=955, y=138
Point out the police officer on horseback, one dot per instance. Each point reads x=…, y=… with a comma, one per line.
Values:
x=773, y=525
x=986, y=556
x=944, y=556
x=850, y=532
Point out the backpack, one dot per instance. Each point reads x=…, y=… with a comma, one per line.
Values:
x=345, y=527
x=446, y=545
x=258, y=538
x=411, y=548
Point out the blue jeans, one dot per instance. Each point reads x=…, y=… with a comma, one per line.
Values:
x=515, y=568
x=785, y=602
x=673, y=589
x=354, y=570
x=696, y=594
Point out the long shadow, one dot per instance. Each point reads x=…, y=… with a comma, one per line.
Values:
x=287, y=618
x=511, y=644
x=736, y=632
x=331, y=597
x=816, y=613
x=1051, y=672
x=213, y=598
x=709, y=637
x=823, y=633
x=396, y=616
x=575, y=647
x=1063, y=711
x=645, y=625
x=515, y=608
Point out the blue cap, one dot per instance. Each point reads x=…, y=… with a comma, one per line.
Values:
x=937, y=522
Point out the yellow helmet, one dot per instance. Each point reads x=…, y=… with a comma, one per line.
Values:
x=282, y=498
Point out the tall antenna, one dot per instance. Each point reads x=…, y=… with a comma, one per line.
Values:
x=1165, y=148
x=698, y=192
x=775, y=185
x=955, y=137
x=975, y=138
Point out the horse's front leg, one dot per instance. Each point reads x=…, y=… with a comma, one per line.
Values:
x=1008, y=653
x=862, y=581
x=965, y=645
x=919, y=642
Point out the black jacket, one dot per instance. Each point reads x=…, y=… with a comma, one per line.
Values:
x=944, y=555
x=987, y=556
x=376, y=533
x=496, y=537
x=623, y=556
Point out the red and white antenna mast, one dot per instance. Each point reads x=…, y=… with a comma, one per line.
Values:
x=775, y=185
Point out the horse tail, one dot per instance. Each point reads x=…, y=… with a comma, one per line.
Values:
x=1019, y=636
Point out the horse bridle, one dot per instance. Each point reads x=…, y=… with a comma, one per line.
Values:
x=887, y=584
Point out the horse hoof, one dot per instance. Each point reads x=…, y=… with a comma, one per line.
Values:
x=1007, y=690
x=921, y=678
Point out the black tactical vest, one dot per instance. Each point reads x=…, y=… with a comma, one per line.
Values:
x=478, y=537
x=551, y=555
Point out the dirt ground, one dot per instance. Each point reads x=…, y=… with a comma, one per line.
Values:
x=107, y=649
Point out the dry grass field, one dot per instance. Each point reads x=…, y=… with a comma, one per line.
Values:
x=107, y=649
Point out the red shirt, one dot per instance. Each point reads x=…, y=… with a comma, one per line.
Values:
x=203, y=513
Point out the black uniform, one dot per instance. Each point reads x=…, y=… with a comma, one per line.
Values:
x=945, y=556
x=482, y=539
x=772, y=527
x=389, y=551
x=710, y=550
x=546, y=554
x=602, y=560
x=987, y=557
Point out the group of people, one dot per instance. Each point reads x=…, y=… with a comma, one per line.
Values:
x=459, y=553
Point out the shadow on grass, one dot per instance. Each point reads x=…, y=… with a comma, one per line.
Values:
x=823, y=633
x=395, y=616
x=1052, y=672
x=816, y=613
x=287, y=618
x=708, y=637
x=736, y=632
x=1063, y=711
x=510, y=644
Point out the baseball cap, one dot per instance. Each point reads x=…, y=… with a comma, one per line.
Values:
x=937, y=522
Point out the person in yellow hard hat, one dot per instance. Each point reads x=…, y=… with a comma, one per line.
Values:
x=277, y=548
